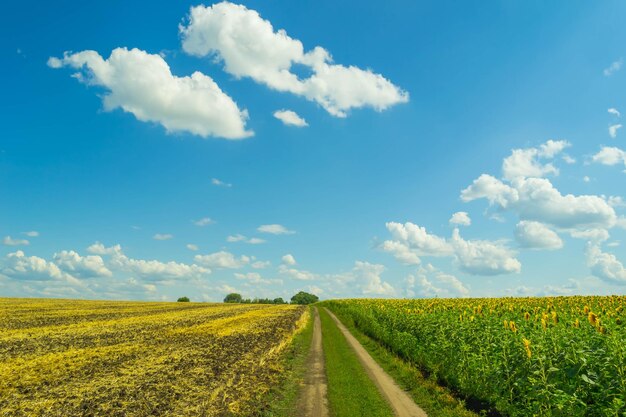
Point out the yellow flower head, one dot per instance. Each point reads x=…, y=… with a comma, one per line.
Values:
x=527, y=347
x=593, y=319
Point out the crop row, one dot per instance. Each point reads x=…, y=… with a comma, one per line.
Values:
x=210, y=360
x=562, y=356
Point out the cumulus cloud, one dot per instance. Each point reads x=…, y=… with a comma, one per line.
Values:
x=153, y=270
x=99, y=249
x=162, y=236
x=613, y=130
x=143, y=84
x=367, y=276
x=460, y=218
x=33, y=268
x=537, y=199
x=89, y=266
x=481, y=257
x=402, y=252
x=297, y=274
x=32, y=233
x=191, y=246
x=249, y=47
x=535, y=235
x=205, y=221
x=288, y=259
x=9, y=241
x=527, y=162
x=290, y=118
x=610, y=155
x=222, y=259
x=275, y=229
x=614, y=112
x=605, y=266
x=419, y=240
x=477, y=257
x=613, y=68
x=430, y=282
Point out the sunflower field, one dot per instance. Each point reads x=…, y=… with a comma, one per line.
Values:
x=99, y=358
x=561, y=356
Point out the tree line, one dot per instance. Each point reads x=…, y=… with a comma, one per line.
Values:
x=301, y=298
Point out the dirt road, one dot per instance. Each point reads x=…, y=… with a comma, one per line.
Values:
x=312, y=401
x=401, y=403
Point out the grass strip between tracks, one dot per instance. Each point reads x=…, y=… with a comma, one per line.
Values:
x=351, y=393
x=436, y=400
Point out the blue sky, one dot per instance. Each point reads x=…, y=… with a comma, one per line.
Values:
x=411, y=112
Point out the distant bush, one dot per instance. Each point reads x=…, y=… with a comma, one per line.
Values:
x=183, y=300
x=279, y=300
x=304, y=298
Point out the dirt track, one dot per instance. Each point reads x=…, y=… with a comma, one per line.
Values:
x=401, y=403
x=313, y=402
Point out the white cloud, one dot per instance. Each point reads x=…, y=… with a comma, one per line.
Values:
x=537, y=199
x=610, y=155
x=249, y=47
x=613, y=130
x=256, y=278
x=586, y=179
x=290, y=118
x=89, y=266
x=242, y=238
x=605, y=265
x=142, y=84
x=401, y=251
x=568, y=159
x=255, y=241
x=523, y=163
x=33, y=268
x=424, y=283
x=297, y=274
x=220, y=183
x=475, y=257
x=275, y=229
x=153, y=270
x=614, y=112
x=596, y=235
x=162, y=236
x=419, y=240
x=205, y=221
x=9, y=241
x=32, y=233
x=368, y=276
x=288, y=259
x=481, y=257
x=191, y=246
x=99, y=249
x=260, y=264
x=460, y=218
x=535, y=235
x=222, y=259
x=614, y=67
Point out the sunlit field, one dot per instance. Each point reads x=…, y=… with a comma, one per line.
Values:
x=562, y=356
x=64, y=358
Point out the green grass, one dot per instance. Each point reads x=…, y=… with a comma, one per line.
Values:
x=351, y=393
x=437, y=401
x=282, y=400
